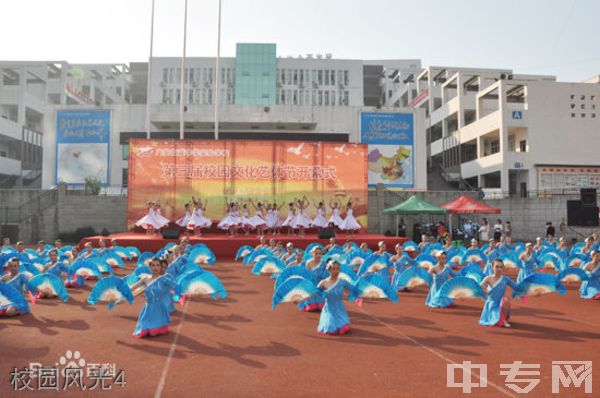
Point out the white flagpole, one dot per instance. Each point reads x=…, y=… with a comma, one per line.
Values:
x=217, y=76
x=149, y=85
x=181, y=95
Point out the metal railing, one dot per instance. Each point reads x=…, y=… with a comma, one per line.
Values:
x=109, y=190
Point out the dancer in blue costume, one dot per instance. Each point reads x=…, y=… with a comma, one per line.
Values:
x=528, y=260
x=424, y=244
x=562, y=249
x=154, y=319
x=491, y=253
x=590, y=289
x=496, y=311
x=16, y=280
x=317, y=267
x=334, y=317
x=401, y=260
x=441, y=272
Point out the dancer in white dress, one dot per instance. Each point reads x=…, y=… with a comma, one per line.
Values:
x=149, y=221
x=245, y=223
x=350, y=223
x=185, y=219
x=258, y=221
x=231, y=220
x=197, y=220
x=335, y=220
x=289, y=221
x=302, y=220
x=274, y=223
x=163, y=220
x=320, y=221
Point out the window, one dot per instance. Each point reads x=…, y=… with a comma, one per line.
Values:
x=282, y=76
x=191, y=97
x=125, y=177
x=333, y=98
x=572, y=106
x=210, y=100
x=345, y=77
x=333, y=78
x=494, y=147
x=178, y=75
x=222, y=75
x=320, y=98
x=301, y=76
x=523, y=145
x=185, y=74
x=592, y=97
x=314, y=97
x=582, y=97
x=165, y=96
x=593, y=115
x=295, y=97
x=178, y=96
x=295, y=76
x=283, y=96
x=583, y=115
x=572, y=115
x=326, y=98
x=288, y=76
x=326, y=77
x=582, y=106
x=165, y=75
x=171, y=75
x=572, y=96
x=320, y=77
x=346, y=97
x=125, y=151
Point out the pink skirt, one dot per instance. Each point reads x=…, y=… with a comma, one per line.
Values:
x=341, y=331
x=152, y=332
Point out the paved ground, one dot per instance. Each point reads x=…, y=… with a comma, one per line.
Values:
x=240, y=347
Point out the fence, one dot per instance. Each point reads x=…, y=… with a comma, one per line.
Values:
x=109, y=190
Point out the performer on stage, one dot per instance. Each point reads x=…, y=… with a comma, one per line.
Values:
x=350, y=223
x=590, y=289
x=291, y=218
x=320, y=221
x=197, y=220
x=149, y=222
x=232, y=219
x=496, y=311
x=440, y=272
x=258, y=221
x=245, y=223
x=302, y=220
x=185, y=219
x=335, y=220
x=162, y=220
x=154, y=318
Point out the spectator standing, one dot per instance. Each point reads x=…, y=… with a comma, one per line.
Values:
x=498, y=230
x=508, y=233
x=550, y=229
x=484, y=231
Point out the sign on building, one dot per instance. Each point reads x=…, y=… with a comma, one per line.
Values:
x=390, y=139
x=82, y=146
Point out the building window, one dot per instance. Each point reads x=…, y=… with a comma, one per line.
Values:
x=494, y=147
x=320, y=98
x=592, y=97
x=572, y=115
x=346, y=97
x=320, y=77
x=165, y=75
x=125, y=177
x=125, y=151
x=333, y=78
x=295, y=76
x=333, y=98
x=326, y=98
x=523, y=145
x=572, y=96
x=165, y=96
x=583, y=115
x=582, y=106
x=346, y=78
x=326, y=77
x=295, y=97
x=572, y=106
x=593, y=115
x=191, y=97
x=582, y=97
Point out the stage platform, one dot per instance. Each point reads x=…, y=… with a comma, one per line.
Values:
x=226, y=247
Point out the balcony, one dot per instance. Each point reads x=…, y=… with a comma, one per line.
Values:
x=10, y=167
x=10, y=129
x=480, y=127
x=482, y=165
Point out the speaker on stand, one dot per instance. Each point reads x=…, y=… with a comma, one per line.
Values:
x=170, y=233
x=327, y=233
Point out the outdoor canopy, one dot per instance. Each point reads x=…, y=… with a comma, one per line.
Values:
x=466, y=205
x=413, y=206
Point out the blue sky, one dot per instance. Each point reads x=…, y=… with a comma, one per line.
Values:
x=529, y=36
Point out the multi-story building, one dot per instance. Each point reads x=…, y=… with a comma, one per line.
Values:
x=504, y=132
x=261, y=96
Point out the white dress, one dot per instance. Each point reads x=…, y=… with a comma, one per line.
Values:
x=231, y=219
x=335, y=218
x=289, y=221
x=484, y=233
x=184, y=220
x=301, y=220
x=245, y=222
x=320, y=221
x=149, y=220
x=257, y=220
x=272, y=219
x=163, y=220
x=197, y=220
x=349, y=223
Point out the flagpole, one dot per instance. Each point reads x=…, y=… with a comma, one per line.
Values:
x=149, y=85
x=181, y=93
x=217, y=75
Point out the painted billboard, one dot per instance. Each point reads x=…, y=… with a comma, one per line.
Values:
x=82, y=146
x=171, y=171
x=390, y=140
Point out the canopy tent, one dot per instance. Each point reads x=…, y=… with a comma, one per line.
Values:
x=413, y=206
x=467, y=205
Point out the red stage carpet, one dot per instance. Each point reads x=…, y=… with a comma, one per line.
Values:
x=225, y=247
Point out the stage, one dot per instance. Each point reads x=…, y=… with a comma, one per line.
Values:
x=226, y=247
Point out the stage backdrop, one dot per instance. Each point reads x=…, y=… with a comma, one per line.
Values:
x=171, y=171
x=390, y=137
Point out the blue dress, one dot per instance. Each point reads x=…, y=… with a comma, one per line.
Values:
x=316, y=302
x=19, y=282
x=57, y=269
x=590, y=289
x=334, y=317
x=433, y=300
x=492, y=310
x=154, y=317
x=528, y=268
x=403, y=262
x=491, y=257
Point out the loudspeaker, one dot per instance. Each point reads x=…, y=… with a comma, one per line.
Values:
x=574, y=212
x=588, y=197
x=326, y=233
x=170, y=233
x=589, y=216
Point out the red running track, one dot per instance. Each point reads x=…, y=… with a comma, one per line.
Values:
x=240, y=347
x=226, y=247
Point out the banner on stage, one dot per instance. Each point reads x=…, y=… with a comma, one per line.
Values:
x=390, y=137
x=82, y=146
x=171, y=171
